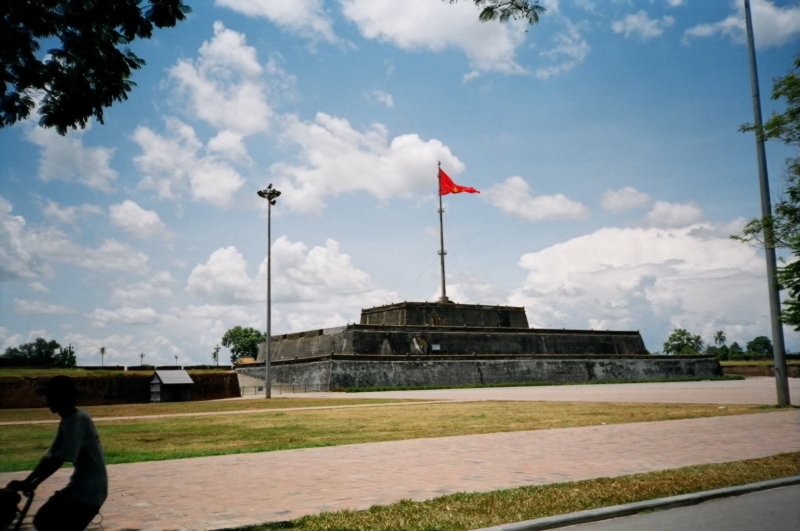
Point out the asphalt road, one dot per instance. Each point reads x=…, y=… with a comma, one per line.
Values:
x=768, y=510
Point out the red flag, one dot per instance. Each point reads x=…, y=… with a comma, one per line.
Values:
x=447, y=186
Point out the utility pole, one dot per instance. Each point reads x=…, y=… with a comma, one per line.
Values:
x=271, y=195
x=176, y=360
x=141, y=359
x=779, y=357
x=102, y=355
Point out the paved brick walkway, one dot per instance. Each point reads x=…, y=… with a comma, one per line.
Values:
x=227, y=491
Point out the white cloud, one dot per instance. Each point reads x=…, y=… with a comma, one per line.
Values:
x=16, y=260
x=29, y=252
x=225, y=84
x=676, y=3
x=136, y=220
x=101, y=318
x=69, y=215
x=640, y=26
x=515, y=197
x=336, y=159
x=306, y=18
x=229, y=145
x=173, y=163
x=647, y=279
x=772, y=25
x=141, y=293
x=664, y=214
x=311, y=288
x=624, y=199
x=380, y=96
x=437, y=26
x=29, y=307
x=471, y=289
x=39, y=287
x=224, y=278
x=65, y=158
x=569, y=51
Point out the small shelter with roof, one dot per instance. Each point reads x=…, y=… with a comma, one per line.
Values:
x=171, y=386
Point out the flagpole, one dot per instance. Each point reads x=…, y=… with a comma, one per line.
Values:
x=442, y=252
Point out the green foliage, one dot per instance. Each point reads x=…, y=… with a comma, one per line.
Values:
x=46, y=353
x=505, y=10
x=720, y=338
x=682, y=343
x=735, y=352
x=89, y=70
x=783, y=228
x=243, y=342
x=723, y=352
x=760, y=347
x=65, y=358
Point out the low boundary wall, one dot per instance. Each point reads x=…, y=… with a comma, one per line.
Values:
x=126, y=388
x=335, y=372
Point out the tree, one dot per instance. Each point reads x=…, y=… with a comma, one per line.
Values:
x=92, y=67
x=39, y=350
x=243, y=342
x=782, y=229
x=735, y=351
x=503, y=10
x=65, y=358
x=760, y=346
x=44, y=353
x=681, y=343
x=719, y=338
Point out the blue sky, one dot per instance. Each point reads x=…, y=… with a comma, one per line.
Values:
x=604, y=142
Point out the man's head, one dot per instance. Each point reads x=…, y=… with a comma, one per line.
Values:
x=60, y=392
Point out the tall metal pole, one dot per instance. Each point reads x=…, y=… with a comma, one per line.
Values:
x=779, y=358
x=442, y=252
x=270, y=194
x=268, y=349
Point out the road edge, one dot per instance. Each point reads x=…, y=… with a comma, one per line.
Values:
x=617, y=511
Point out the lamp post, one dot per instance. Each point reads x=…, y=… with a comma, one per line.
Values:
x=271, y=195
x=779, y=349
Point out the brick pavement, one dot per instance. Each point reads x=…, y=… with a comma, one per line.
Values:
x=226, y=491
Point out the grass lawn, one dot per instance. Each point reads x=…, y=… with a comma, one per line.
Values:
x=127, y=410
x=464, y=511
x=157, y=439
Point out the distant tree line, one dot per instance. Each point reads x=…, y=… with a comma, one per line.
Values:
x=44, y=353
x=681, y=342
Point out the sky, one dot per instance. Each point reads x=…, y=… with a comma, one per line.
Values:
x=604, y=141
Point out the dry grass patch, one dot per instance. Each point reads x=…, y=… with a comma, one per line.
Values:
x=464, y=511
x=128, y=410
x=157, y=439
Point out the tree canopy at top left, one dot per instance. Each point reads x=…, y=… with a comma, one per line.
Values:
x=89, y=70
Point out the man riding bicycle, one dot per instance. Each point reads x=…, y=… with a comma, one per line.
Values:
x=77, y=442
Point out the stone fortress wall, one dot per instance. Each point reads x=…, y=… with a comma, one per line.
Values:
x=447, y=344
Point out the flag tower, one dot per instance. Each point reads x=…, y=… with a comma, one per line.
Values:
x=447, y=186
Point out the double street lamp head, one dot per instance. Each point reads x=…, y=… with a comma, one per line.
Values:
x=269, y=193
